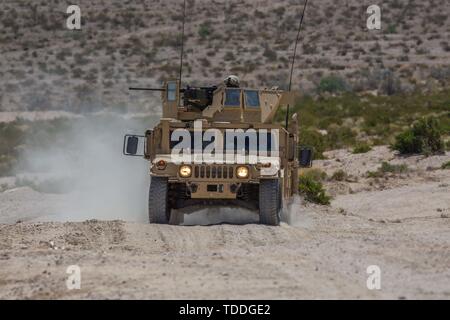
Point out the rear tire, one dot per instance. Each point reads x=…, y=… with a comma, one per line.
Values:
x=269, y=202
x=158, y=201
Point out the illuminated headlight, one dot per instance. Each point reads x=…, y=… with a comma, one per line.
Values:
x=242, y=172
x=185, y=171
x=161, y=165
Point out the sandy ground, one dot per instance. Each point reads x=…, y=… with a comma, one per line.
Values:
x=399, y=223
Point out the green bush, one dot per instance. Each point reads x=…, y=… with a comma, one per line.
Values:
x=332, y=84
x=340, y=137
x=391, y=29
x=313, y=139
x=393, y=168
x=204, y=30
x=387, y=168
x=339, y=175
x=446, y=165
x=316, y=174
x=313, y=189
x=361, y=147
x=423, y=137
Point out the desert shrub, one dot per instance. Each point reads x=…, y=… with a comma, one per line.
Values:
x=205, y=62
x=390, y=84
x=316, y=174
x=446, y=165
x=339, y=175
x=332, y=84
x=379, y=118
x=279, y=11
x=340, y=137
x=309, y=49
x=313, y=139
x=204, y=30
x=386, y=167
x=361, y=147
x=423, y=137
x=229, y=56
x=393, y=168
x=313, y=189
x=391, y=29
x=166, y=40
x=270, y=54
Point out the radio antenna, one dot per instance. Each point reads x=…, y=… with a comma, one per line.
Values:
x=293, y=58
x=182, y=41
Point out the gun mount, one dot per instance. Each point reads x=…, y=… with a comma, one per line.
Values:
x=220, y=103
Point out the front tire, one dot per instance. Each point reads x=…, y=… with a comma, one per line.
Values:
x=158, y=201
x=269, y=202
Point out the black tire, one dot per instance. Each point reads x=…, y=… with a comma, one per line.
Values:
x=269, y=202
x=280, y=196
x=158, y=201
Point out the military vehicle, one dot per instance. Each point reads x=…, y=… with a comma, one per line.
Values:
x=252, y=160
x=263, y=185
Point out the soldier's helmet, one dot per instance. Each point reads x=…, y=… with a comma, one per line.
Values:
x=231, y=81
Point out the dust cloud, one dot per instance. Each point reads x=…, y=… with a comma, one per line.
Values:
x=94, y=178
x=291, y=214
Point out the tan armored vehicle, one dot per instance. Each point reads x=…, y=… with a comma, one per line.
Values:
x=219, y=146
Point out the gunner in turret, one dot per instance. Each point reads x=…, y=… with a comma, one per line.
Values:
x=231, y=82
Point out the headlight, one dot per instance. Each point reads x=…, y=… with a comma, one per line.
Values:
x=185, y=171
x=242, y=172
x=161, y=165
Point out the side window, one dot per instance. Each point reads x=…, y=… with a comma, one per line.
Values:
x=251, y=99
x=171, y=92
x=232, y=98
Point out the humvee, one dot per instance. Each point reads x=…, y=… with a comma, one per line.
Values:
x=253, y=164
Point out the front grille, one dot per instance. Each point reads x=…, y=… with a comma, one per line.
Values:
x=213, y=172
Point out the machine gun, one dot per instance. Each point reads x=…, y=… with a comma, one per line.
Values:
x=193, y=97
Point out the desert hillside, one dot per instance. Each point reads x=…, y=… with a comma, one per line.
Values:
x=46, y=66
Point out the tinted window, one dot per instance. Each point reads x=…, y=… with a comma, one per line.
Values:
x=171, y=91
x=232, y=97
x=251, y=99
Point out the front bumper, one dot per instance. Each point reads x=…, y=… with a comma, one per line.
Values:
x=215, y=181
x=267, y=167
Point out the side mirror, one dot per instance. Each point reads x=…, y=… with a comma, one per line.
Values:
x=305, y=156
x=131, y=145
x=291, y=147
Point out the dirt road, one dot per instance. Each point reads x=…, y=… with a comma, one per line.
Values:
x=323, y=253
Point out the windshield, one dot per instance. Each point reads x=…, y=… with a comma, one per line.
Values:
x=171, y=91
x=232, y=97
x=251, y=99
